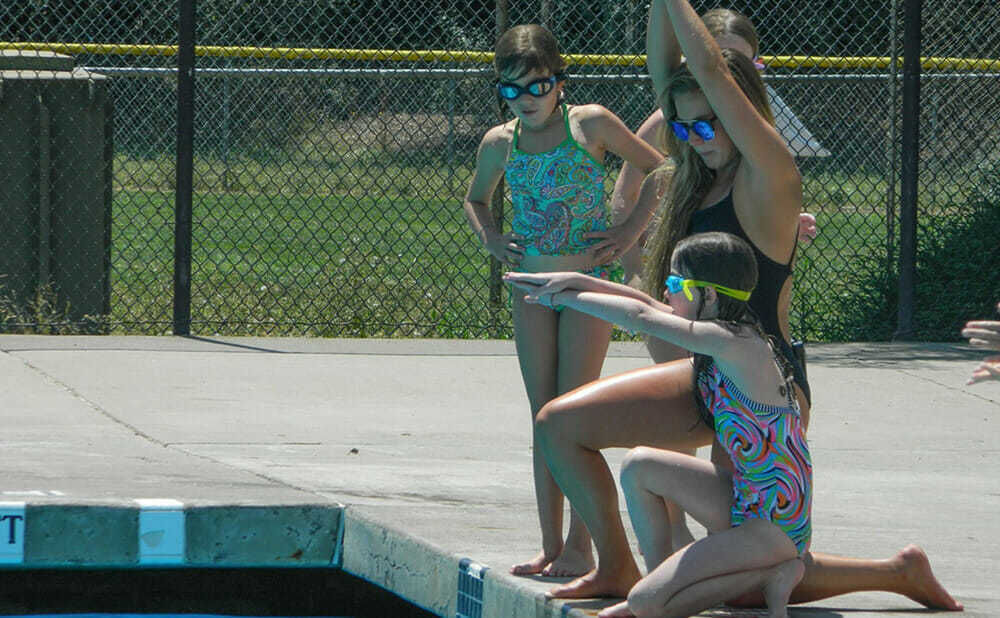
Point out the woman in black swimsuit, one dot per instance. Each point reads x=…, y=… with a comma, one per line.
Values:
x=733, y=173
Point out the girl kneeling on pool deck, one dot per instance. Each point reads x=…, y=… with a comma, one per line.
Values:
x=760, y=513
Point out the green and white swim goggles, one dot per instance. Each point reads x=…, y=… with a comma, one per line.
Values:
x=676, y=283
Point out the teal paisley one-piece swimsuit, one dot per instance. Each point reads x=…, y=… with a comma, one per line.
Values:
x=558, y=196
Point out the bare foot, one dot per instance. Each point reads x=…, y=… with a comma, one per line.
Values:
x=533, y=566
x=612, y=582
x=919, y=581
x=618, y=610
x=779, y=586
x=571, y=563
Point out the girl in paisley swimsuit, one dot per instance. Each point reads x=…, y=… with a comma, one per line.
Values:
x=759, y=513
x=552, y=156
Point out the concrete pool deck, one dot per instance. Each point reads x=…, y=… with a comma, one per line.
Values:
x=395, y=459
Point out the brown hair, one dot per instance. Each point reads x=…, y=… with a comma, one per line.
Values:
x=722, y=22
x=722, y=258
x=525, y=48
x=691, y=178
x=725, y=259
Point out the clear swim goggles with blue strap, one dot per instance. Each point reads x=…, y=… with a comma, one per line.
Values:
x=676, y=283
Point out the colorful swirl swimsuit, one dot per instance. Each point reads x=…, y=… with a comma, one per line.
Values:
x=772, y=478
x=558, y=197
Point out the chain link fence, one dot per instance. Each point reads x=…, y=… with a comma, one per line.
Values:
x=334, y=142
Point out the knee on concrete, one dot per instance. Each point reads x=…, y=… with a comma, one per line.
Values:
x=644, y=602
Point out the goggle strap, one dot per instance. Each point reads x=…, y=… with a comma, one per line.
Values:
x=687, y=284
x=721, y=289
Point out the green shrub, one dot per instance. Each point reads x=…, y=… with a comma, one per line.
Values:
x=958, y=266
x=957, y=276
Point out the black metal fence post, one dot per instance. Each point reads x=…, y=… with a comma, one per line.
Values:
x=185, y=169
x=497, y=203
x=910, y=161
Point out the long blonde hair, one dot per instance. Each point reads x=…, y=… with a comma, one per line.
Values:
x=691, y=177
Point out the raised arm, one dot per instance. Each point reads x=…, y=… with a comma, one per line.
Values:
x=663, y=52
x=761, y=146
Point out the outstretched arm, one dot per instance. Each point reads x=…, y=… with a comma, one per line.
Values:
x=547, y=284
x=989, y=369
x=983, y=333
x=703, y=337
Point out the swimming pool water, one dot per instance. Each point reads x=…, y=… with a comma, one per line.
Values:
x=197, y=593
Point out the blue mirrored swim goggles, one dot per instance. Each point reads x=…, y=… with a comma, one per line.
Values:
x=676, y=283
x=702, y=128
x=537, y=88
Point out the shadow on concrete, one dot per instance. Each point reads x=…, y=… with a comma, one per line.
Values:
x=889, y=354
x=232, y=344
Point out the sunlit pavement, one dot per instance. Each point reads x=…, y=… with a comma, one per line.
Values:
x=256, y=444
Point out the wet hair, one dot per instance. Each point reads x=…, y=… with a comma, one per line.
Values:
x=725, y=259
x=722, y=22
x=691, y=178
x=526, y=48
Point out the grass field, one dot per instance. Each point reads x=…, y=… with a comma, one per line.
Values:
x=381, y=249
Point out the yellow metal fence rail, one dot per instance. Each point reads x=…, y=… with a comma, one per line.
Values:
x=439, y=55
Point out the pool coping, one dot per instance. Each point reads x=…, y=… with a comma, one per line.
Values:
x=103, y=535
